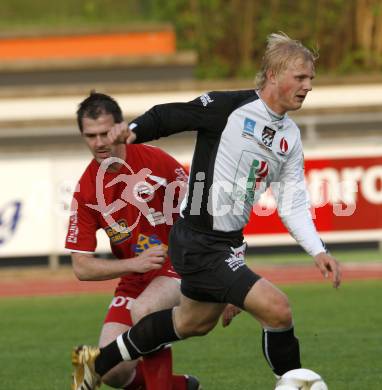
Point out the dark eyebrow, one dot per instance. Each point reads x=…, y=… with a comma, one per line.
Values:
x=93, y=135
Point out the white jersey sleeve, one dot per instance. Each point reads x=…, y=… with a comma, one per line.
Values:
x=293, y=203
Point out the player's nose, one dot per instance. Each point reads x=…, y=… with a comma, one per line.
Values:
x=308, y=85
x=99, y=141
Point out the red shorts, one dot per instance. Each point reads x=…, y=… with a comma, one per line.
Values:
x=129, y=288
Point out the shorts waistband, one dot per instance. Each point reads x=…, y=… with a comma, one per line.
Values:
x=235, y=234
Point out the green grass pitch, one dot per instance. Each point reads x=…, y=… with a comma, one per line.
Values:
x=339, y=331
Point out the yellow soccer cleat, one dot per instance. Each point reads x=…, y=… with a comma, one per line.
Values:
x=84, y=375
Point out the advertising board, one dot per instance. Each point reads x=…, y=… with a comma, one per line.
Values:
x=345, y=191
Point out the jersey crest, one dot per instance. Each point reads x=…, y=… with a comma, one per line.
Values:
x=267, y=136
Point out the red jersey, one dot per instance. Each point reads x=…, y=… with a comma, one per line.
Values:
x=134, y=206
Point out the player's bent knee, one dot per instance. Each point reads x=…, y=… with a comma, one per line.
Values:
x=200, y=330
x=140, y=311
x=282, y=318
x=194, y=328
x=280, y=315
x=203, y=329
x=269, y=305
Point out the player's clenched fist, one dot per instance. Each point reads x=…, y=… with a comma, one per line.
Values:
x=119, y=133
x=152, y=258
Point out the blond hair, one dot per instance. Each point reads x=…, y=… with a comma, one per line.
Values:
x=280, y=51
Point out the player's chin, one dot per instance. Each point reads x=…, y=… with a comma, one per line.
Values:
x=100, y=160
x=296, y=105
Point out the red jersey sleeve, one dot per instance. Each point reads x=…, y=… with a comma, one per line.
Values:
x=83, y=225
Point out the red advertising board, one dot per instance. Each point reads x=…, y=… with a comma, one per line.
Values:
x=345, y=193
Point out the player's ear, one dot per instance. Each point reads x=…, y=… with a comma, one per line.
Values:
x=271, y=76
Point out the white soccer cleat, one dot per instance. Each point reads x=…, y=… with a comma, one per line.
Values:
x=319, y=385
x=302, y=374
x=301, y=379
x=84, y=375
x=286, y=387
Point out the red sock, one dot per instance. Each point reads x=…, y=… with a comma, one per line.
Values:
x=138, y=382
x=157, y=370
x=179, y=382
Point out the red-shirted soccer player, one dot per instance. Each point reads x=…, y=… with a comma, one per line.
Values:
x=129, y=191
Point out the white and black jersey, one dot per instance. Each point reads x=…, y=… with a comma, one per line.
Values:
x=242, y=148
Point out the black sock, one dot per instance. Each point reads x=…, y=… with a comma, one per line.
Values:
x=107, y=359
x=281, y=350
x=150, y=334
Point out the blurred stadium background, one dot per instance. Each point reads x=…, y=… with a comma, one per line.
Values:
x=144, y=52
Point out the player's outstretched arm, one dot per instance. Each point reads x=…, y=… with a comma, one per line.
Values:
x=328, y=264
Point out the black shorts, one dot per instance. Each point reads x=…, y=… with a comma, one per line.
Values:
x=212, y=267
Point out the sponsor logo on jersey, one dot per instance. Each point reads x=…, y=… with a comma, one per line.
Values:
x=283, y=145
x=118, y=232
x=257, y=173
x=205, y=99
x=146, y=242
x=73, y=229
x=267, y=136
x=249, y=128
